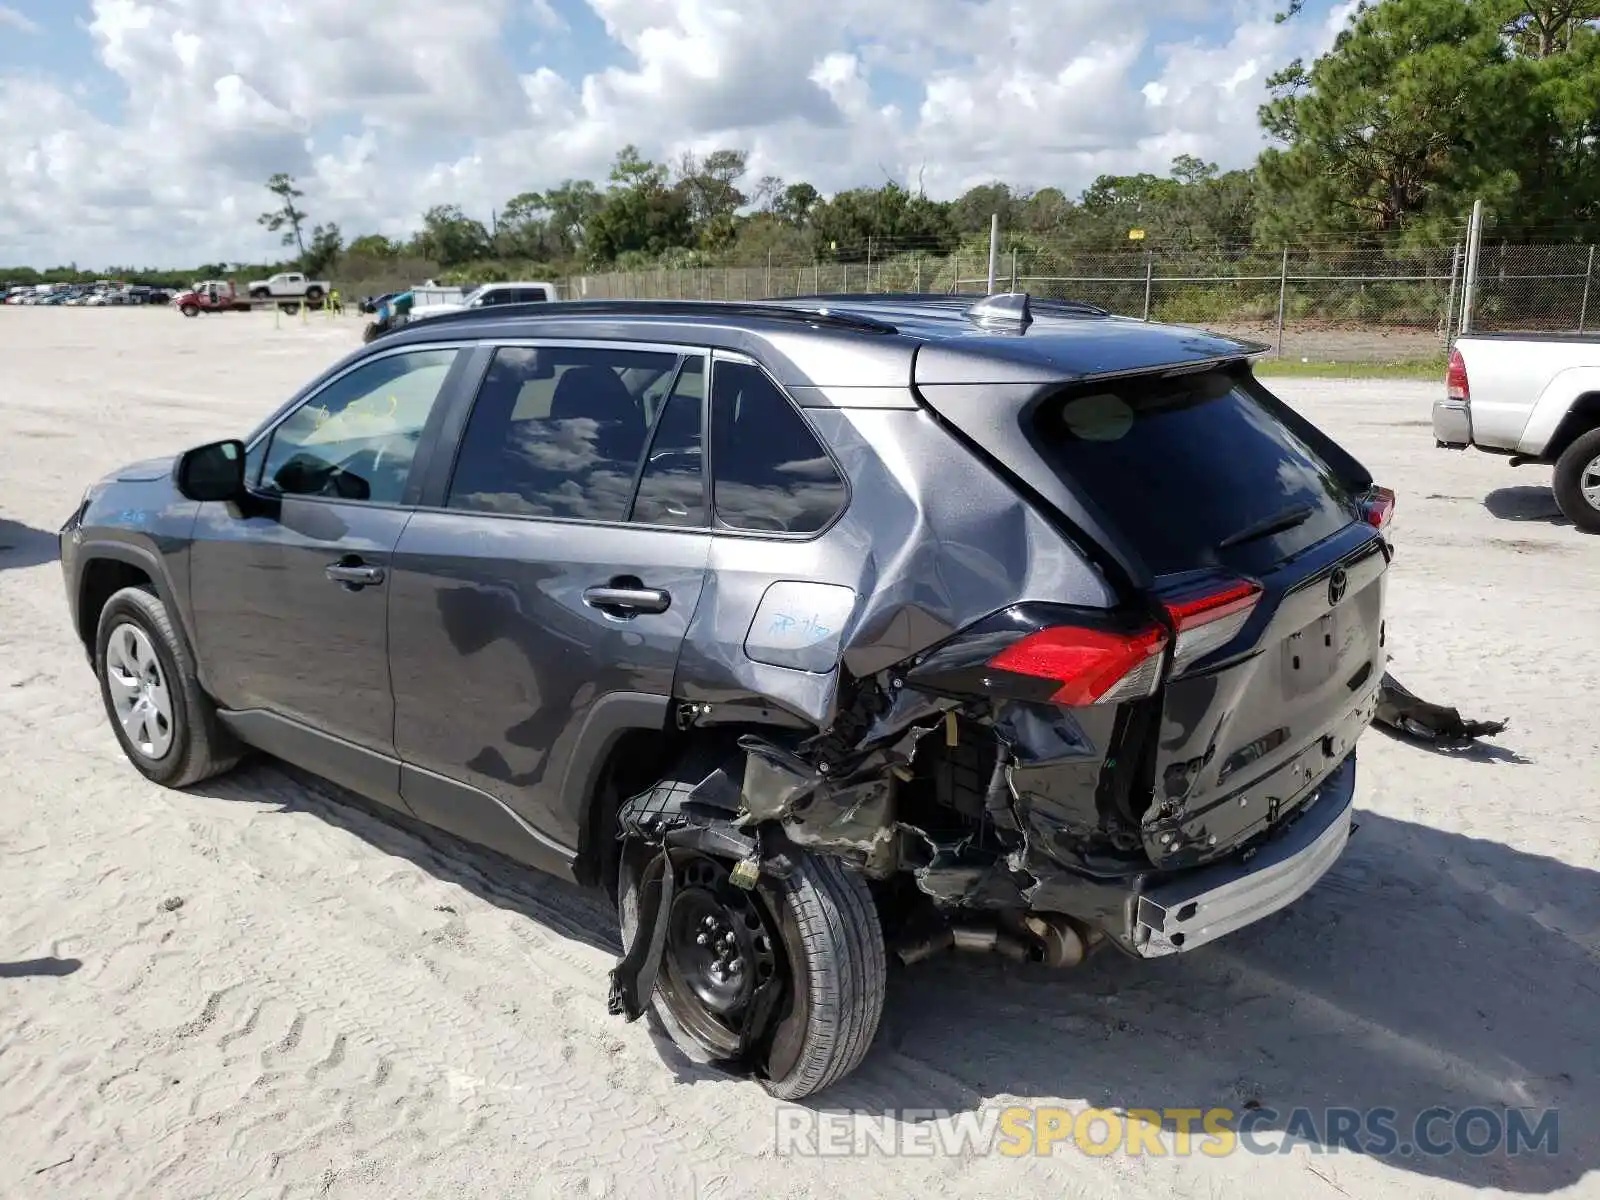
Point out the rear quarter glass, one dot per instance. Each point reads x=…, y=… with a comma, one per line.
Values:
x=1180, y=465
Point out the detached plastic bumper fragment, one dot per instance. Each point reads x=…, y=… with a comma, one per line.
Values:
x=1452, y=425
x=1400, y=710
x=1205, y=904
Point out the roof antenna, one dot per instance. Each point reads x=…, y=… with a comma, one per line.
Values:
x=1007, y=309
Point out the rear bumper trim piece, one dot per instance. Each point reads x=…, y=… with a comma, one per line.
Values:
x=1452, y=423
x=1203, y=905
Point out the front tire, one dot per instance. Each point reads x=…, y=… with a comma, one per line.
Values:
x=190, y=310
x=1576, y=482
x=164, y=721
x=818, y=931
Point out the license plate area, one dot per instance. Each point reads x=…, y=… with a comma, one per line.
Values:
x=1311, y=657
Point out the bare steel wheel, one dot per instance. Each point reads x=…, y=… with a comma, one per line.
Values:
x=719, y=950
x=789, y=980
x=139, y=694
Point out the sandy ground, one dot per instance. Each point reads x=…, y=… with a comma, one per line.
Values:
x=261, y=989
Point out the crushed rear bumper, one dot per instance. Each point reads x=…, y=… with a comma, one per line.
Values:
x=1199, y=906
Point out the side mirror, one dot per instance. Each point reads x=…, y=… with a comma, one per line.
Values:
x=212, y=472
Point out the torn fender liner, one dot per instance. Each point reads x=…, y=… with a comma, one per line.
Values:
x=1399, y=710
x=633, y=979
x=855, y=823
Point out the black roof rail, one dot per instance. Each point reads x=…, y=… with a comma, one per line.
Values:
x=777, y=310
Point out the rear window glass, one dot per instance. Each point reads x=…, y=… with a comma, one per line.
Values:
x=1189, y=468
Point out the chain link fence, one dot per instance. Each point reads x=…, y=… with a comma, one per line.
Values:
x=1316, y=302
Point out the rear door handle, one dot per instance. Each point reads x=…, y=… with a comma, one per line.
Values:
x=354, y=575
x=627, y=600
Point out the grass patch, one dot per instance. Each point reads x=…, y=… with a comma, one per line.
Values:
x=1430, y=369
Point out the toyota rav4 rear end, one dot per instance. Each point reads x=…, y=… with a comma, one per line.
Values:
x=1082, y=663
x=1197, y=770
x=1156, y=767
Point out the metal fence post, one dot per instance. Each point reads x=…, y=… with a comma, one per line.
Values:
x=1283, y=297
x=1450, y=304
x=816, y=277
x=1149, y=279
x=1469, y=289
x=846, y=288
x=919, y=273
x=769, y=274
x=994, y=249
x=1588, y=274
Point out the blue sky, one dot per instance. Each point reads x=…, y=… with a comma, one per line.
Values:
x=381, y=107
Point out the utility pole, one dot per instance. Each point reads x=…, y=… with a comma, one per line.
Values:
x=1469, y=291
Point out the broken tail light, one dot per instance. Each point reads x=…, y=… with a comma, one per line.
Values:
x=1091, y=666
x=1208, y=618
x=1377, y=507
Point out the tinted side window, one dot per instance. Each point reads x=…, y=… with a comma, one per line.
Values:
x=672, y=486
x=769, y=471
x=557, y=431
x=355, y=439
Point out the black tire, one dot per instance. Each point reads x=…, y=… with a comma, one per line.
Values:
x=371, y=332
x=835, y=975
x=199, y=746
x=190, y=310
x=313, y=294
x=1581, y=459
x=260, y=293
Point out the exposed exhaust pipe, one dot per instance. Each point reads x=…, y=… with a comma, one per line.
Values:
x=1053, y=941
x=1061, y=941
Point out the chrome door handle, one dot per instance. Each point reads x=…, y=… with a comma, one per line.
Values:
x=627, y=600
x=354, y=575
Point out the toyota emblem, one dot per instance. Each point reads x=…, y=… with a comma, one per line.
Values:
x=1338, y=582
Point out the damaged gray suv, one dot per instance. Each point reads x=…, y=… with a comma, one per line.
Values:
x=817, y=631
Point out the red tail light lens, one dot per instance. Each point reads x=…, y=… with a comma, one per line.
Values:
x=1377, y=507
x=1092, y=666
x=1455, y=378
x=1209, y=619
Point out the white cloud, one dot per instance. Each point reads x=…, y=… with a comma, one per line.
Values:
x=10, y=18
x=437, y=103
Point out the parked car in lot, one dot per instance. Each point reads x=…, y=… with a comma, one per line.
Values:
x=812, y=629
x=489, y=295
x=1534, y=398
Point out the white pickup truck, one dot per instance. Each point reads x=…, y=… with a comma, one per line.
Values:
x=1534, y=398
x=288, y=285
x=488, y=295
